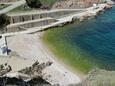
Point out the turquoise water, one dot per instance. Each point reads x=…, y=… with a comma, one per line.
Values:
x=95, y=38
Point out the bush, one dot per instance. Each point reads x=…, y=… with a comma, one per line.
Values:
x=34, y=3
x=43, y=4
x=4, y=21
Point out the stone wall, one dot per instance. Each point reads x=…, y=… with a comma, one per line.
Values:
x=27, y=25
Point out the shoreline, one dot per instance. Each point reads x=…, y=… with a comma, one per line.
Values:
x=57, y=61
x=76, y=72
x=80, y=74
x=56, y=56
x=39, y=51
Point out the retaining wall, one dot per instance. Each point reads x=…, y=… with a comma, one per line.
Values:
x=37, y=23
x=29, y=24
x=27, y=17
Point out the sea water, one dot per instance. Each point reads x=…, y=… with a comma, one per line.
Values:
x=87, y=44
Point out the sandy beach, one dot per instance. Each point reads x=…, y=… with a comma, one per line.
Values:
x=31, y=47
x=16, y=63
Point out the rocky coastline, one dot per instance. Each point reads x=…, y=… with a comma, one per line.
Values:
x=27, y=74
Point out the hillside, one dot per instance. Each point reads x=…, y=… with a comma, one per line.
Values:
x=76, y=3
x=69, y=3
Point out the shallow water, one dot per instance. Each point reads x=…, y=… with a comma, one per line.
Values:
x=92, y=40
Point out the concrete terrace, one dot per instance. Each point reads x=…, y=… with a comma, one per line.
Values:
x=35, y=19
x=59, y=21
x=31, y=15
x=26, y=20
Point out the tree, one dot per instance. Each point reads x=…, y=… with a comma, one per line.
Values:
x=4, y=21
x=34, y=3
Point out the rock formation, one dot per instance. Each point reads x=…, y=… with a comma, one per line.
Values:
x=76, y=3
x=35, y=70
x=4, y=69
x=24, y=76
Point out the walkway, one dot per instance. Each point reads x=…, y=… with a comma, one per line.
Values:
x=43, y=11
x=7, y=3
x=13, y=6
x=28, y=22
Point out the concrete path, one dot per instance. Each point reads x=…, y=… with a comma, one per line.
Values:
x=13, y=6
x=26, y=22
x=8, y=3
x=43, y=11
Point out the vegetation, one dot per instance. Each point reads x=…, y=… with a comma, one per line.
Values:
x=41, y=3
x=44, y=4
x=1, y=67
x=3, y=6
x=4, y=21
x=34, y=3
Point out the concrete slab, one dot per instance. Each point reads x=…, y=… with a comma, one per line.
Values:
x=3, y=46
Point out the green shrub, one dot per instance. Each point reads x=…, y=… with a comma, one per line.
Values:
x=34, y=3
x=4, y=21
